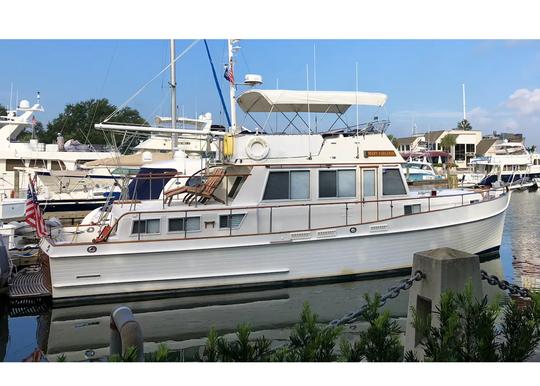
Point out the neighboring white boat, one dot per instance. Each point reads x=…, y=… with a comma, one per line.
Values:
x=275, y=209
x=420, y=171
x=511, y=165
x=18, y=157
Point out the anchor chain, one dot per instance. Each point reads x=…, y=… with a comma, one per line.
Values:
x=392, y=293
x=505, y=285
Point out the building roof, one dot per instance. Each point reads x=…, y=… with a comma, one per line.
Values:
x=406, y=140
x=433, y=136
x=484, y=145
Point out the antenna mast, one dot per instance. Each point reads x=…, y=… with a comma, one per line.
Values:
x=174, y=136
x=232, y=89
x=464, y=110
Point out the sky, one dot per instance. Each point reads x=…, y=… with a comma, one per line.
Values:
x=422, y=78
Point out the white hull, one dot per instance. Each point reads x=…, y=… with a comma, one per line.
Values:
x=193, y=264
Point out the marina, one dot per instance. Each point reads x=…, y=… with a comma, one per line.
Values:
x=287, y=199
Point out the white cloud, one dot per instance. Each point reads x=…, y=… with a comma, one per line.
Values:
x=525, y=101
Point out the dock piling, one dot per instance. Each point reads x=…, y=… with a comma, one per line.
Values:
x=444, y=269
x=126, y=333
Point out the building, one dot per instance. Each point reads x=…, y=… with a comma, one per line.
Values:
x=462, y=152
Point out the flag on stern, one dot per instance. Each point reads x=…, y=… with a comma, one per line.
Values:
x=34, y=217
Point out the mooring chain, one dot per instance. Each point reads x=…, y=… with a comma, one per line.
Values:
x=392, y=293
x=505, y=285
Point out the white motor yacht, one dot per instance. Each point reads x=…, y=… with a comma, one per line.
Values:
x=273, y=209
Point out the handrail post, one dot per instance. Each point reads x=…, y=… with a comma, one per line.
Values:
x=462, y=200
x=185, y=224
x=230, y=222
x=271, y=219
x=346, y=213
x=391, y=209
x=139, y=228
x=309, y=216
x=429, y=204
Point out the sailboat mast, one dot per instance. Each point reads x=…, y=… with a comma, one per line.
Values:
x=232, y=89
x=174, y=136
x=464, y=110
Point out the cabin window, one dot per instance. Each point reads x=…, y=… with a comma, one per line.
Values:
x=231, y=220
x=182, y=224
x=11, y=164
x=57, y=165
x=293, y=185
x=145, y=226
x=393, y=183
x=235, y=186
x=337, y=183
x=368, y=183
x=412, y=209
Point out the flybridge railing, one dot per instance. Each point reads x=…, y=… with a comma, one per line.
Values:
x=351, y=214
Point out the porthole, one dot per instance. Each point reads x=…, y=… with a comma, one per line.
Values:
x=90, y=229
x=91, y=249
x=352, y=229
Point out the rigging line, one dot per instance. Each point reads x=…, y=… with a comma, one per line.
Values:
x=150, y=81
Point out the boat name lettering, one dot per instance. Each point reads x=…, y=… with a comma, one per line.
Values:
x=379, y=153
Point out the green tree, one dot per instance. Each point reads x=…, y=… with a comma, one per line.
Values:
x=464, y=125
x=448, y=141
x=26, y=135
x=3, y=111
x=77, y=121
x=394, y=140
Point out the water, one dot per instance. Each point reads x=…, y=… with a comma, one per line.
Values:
x=183, y=323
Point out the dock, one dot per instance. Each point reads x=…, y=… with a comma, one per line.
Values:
x=28, y=283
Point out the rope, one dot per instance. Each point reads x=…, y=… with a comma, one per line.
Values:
x=150, y=81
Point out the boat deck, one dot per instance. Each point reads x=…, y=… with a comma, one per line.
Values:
x=28, y=283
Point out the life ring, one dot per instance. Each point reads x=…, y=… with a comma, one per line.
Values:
x=257, y=149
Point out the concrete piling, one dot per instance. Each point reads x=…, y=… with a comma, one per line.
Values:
x=125, y=333
x=444, y=269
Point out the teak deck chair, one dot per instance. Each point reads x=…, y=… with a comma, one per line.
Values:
x=204, y=191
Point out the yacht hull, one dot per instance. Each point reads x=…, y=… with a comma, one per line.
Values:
x=118, y=269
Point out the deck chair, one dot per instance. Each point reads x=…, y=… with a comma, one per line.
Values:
x=203, y=192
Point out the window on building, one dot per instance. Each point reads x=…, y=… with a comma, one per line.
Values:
x=145, y=226
x=182, y=224
x=337, y=183
x=459, y=150
x=393, y=183
x=368, y=183
x=412, y=209
x=471, y=148
x=231, y=220
x=287, y=185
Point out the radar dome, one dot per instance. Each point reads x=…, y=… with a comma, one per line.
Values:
x=24, y=104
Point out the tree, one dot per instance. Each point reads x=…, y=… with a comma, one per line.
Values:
x=394, y=140
x=77, y=121
x=3, y=111
x=464, y=125
x=26, y=135
x=448, y=141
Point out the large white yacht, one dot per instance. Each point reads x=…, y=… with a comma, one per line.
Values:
x=510, y=165
x=274, y=209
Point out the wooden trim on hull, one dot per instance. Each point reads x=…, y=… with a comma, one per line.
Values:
x=485, y=255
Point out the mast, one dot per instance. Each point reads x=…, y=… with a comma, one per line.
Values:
x=464, y=111
x=232, y=89
x=174, y=136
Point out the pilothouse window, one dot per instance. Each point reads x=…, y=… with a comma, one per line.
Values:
x=393, y=183
x=231, y=220
x=337, y=183
x=287, y=185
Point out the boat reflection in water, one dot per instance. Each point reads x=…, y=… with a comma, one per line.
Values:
x=82, y=333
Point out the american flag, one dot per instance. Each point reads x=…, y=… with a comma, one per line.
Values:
x=229, y=74
x=34, y=120
x=34, y=217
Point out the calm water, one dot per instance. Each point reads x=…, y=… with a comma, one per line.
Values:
x=81, y=332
